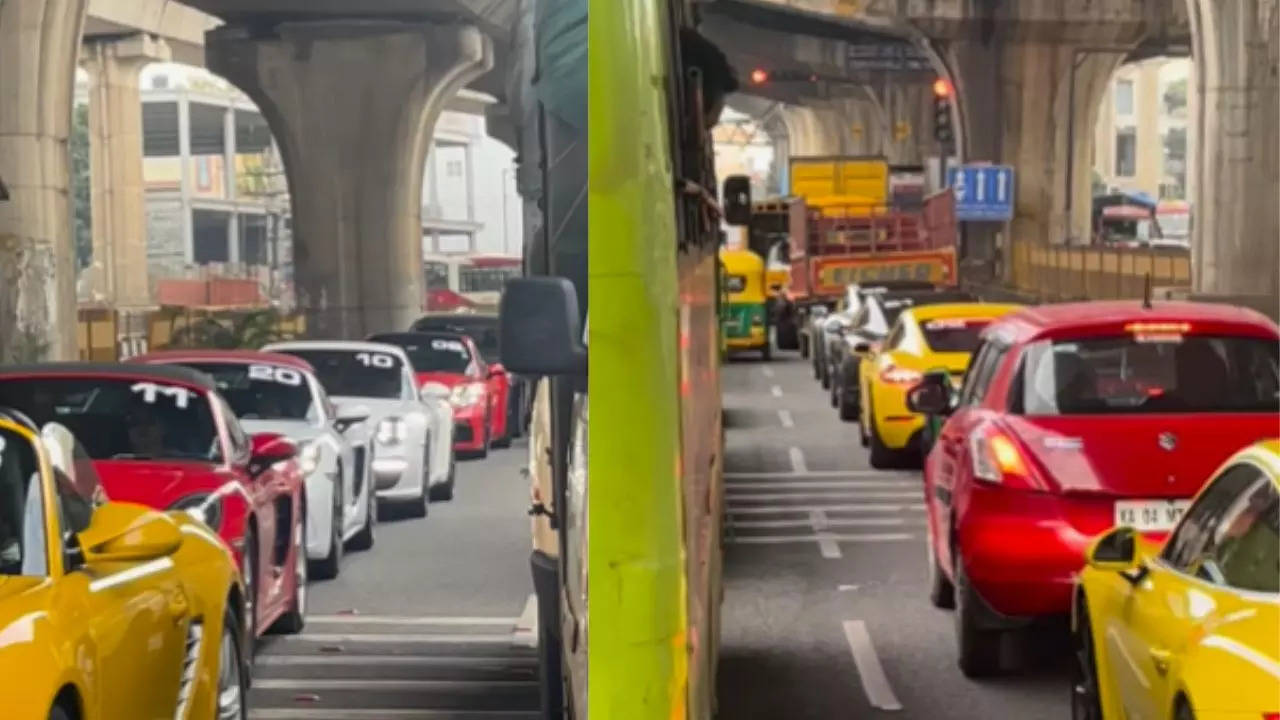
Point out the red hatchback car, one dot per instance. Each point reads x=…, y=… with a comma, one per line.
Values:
x=162, y=436
x=479, y=390
x=1072, y=419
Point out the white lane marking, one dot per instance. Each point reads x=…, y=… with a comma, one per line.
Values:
x=818, y=473
x=776, y=390
x=847, y=588
x=816, y=484
x=472, y=661
x=784, y=417
x=378, y=684
x=874, y=682
x=387, y=714
x=846, y=507
x=768, y=371
x=822, y=495
x=786, y=539
x=826, y=546
x=525, y=633
x=408, y=620
x=502, y=639
x=136, y=572
x=797, y=460
x=830, y=523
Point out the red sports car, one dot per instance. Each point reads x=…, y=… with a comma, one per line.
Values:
x=1072, y=419
x=162, y=436
x=479, y=390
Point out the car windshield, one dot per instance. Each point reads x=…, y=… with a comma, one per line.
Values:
x=483, y=331
x=122, y=418
x=953, y=335
x=355, y=373
x=432, y=354
x=893, y=308
x=1160, y=374
x=261, y=391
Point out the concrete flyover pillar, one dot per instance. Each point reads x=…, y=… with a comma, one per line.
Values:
x=1236, y=235
x=353, y=106
x=115, y=166
x=39, y=40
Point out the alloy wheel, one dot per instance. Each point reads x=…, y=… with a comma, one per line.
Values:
x=230, y=682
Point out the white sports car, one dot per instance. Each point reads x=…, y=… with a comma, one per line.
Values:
x=277, y=393
x=412, y=429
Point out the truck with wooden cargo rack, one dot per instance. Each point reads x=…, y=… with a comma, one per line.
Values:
x=842, y=224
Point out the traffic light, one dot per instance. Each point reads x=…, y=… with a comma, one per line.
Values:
x=942, y=130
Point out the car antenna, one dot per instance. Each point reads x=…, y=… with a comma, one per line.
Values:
x=1146, y=293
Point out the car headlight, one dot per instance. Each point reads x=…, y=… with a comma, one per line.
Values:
x=309, y=458
x=391, y=431
x=464, y=395
x=204, y=507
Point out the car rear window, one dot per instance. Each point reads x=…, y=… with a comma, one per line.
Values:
x=355, y=373
x=261, y=391
x=1163, y=374
x=483, y=331
x=958, y=335
x=432, y=354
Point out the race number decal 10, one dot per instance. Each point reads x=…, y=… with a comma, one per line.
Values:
x=378, y=360
x=282, y=375
x=151, y=392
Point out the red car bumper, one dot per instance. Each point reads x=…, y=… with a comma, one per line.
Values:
x=468, y=428
x=1022, y=550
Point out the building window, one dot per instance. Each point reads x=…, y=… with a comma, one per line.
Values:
x=1124, y=97
x=252, y=134
x=160, y=129
x=209, y=236
x=208, y=133
x=453, y=168
x=253, y=240
x=160, y=82
x=1126, y=152
x=485, y=279
x=437, y=275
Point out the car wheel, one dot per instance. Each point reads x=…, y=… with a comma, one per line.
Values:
x=249, y=571
x=363, y=540
x=883, y=457
x=59, y=713
x=232, y=680
x=328, y=568
x=942, y=594
x=979, y=649
x=292, y=621
x=505, y=440
x=483, y=452
x=804, y=346
x=848, y=410
x=1086, y=699
x=1183, y=712
x=835, y=390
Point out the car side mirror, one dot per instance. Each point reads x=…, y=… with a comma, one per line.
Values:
x=1116, y=551
x=931, y=396
x=349, y=415
x=497, y=370
x=126, y=533
x=736, y=200
x=433, y=391
x=269, y=449
x=539, y=327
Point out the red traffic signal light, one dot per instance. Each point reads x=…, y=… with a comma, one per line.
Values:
x=941, y=88
x=759, y=76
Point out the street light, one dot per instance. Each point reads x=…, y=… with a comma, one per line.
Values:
x=506, y=245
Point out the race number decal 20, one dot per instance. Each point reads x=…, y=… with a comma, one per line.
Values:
x=378, y=360
x=282, y=375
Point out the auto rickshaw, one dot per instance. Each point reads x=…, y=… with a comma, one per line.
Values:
x=744, y=319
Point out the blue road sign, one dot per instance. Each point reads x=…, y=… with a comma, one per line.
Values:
x=983, y=192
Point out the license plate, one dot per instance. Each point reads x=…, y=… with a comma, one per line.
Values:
x=1150, y=515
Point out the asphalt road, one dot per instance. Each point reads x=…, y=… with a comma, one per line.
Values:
x=825, y=561
x=428, y=625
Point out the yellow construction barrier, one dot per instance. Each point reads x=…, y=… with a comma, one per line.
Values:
x=1059, y=272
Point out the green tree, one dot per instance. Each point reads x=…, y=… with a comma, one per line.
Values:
x=1175, y=97
x=80, y=193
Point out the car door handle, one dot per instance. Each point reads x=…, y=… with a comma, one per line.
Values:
x=178, y=606
x=1160, y=659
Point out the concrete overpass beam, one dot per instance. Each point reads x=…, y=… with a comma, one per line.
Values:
x=118, y=195
x=1236, y=237
x=39, y=40
x=353, y=106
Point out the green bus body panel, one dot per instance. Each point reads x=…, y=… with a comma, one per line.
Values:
x=637, y=665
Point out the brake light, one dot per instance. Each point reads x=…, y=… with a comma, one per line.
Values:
x=1157, y=327
x=895, y=375
x=1271, y=716
x=997, y=459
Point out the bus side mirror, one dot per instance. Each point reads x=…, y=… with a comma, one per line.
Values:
x=539, y=330
x=737, y=200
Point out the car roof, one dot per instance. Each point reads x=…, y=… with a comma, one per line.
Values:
x=917, y=298
x=333, y=345
x=1040, y=320
x=168, y=373
x=223, y=356
x=419, y=334
x=960, y=309
x=457, y=317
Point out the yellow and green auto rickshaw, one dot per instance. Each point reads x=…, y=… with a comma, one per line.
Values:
x=744, y=319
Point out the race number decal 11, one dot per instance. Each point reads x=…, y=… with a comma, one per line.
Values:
x=378, y=360
x=151, y=393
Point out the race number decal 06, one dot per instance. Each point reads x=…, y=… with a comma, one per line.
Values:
x=151, y=393
x=378, y=360
x=270, y=373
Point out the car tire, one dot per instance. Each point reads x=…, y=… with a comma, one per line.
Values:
x=835, y=391
x=291, y=622
x=883, y=457
x=328, y=567
x=444, y=491
x=942, y=594
x=237, y=703
x=978, y=648
x=848, y=410
x=503, y=442
x=363, y=540
x=1184, y=711
x=1086, y=699
x=766, y=352
x=58, y=712
x=483, y=452
x=804, y=347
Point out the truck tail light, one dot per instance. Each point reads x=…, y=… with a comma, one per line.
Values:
x=895, y=375
x=997, y=459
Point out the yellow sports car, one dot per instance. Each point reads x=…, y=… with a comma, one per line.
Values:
x=108, y=611
x=924, y=338
x=1188, y=628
